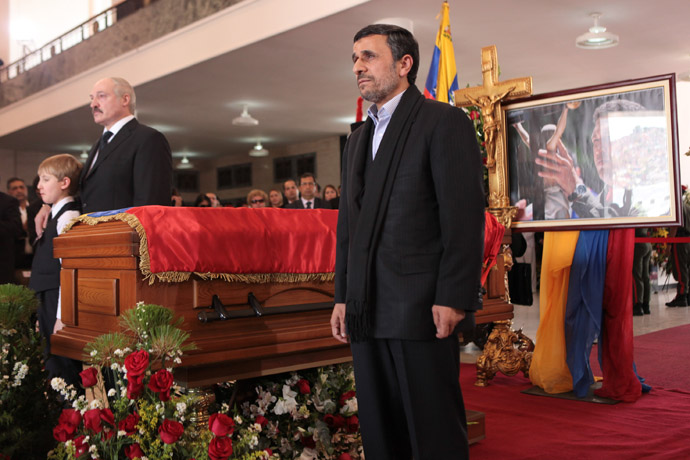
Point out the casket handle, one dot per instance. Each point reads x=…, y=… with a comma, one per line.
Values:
x=254, y=303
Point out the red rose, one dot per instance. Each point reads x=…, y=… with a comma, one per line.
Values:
x=160, y=383
x=261, y=420
x=107, y=417
x=221, y=424
x=307, y=440
x=304, y=387
x=67, y=425
x=344, y=456
x=269, y=452
x=352, y=424
x=473, y=115
x=92, y=420
x=134, y=451
x=334, y=421
x=170, y=431
x=89, y=377
x=345, y=396
x=129, y=424
x=70, y=417
x=135, y=385
x=81, y=446
x=220, y=448
x=64, y=432
x=136, y=363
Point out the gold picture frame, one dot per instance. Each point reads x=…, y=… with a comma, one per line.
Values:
x=597, y=157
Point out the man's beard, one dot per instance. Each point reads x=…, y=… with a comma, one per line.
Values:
x=381, y=88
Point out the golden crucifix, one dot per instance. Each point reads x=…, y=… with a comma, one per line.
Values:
x=488, y=99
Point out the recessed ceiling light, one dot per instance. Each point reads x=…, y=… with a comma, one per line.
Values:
x=597, y=38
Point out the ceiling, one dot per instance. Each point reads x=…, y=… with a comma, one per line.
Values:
x=299, y=84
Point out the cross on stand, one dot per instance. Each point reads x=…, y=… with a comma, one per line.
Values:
x=488, y=99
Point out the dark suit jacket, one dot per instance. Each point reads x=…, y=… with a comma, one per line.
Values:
x=430, y=247
x=10, y=230
x=134, y=169
x=318, y=203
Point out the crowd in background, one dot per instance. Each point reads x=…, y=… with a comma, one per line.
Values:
x=303, y=194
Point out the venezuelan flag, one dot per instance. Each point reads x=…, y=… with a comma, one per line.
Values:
x=442, y=81
x=586, y=295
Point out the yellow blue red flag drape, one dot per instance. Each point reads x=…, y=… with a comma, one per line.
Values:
x=442, y=81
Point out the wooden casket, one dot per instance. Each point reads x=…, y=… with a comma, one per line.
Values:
x=101, y=277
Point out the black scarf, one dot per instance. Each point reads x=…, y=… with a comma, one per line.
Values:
x=367, y=209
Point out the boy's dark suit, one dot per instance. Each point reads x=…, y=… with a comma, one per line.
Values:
x=45, y=280
x=425, y=248
x=134, y=169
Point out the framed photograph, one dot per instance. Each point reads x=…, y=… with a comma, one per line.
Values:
x=605, y=156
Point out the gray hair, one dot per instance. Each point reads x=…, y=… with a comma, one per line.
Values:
x=123, y=87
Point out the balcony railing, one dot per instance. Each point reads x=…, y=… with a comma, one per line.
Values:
x=69, y=39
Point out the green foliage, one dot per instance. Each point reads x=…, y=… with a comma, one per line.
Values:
x=27, y=412
x=17, y=305
x=107, y=348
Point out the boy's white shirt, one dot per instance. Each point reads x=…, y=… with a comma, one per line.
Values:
x=62, y=222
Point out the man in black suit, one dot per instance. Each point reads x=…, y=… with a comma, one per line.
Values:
x=307, y=199
x=409, y=254
x=10, y=232
x=132, y=164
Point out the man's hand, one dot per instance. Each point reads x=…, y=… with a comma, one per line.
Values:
x=338, y=323
x=41, y=220
x=558, y=167
x=58, y=325
x=445, y=319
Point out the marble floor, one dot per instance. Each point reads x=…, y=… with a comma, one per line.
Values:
x=661, y=317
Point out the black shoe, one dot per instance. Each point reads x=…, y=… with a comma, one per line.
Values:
x=637, y=309
x=679, y=301
x=645, y=308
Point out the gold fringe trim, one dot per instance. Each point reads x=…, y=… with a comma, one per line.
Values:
x=178, y=277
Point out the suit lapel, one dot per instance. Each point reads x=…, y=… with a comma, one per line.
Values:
x=119, y=138
x=87, y=166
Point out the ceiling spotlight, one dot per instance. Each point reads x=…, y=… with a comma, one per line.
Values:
x=185, y=163
x=84, y=155
x=258, y=150
x=597, y=38
x=245, y=119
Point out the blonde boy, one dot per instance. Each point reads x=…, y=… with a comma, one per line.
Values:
x=58, y=183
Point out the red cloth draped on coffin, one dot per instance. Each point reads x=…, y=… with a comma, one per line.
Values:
x=239, y=240
x=243, y=244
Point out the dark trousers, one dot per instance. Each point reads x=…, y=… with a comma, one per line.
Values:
x=641, y=256
x=57, y=366
x=409, y=399
x=680, y=265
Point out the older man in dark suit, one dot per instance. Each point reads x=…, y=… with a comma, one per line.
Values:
x=409, y=254
x=131, y=165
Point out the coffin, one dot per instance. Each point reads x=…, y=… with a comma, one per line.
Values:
x=102, y=277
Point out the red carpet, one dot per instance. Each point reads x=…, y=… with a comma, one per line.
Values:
x=657, y=426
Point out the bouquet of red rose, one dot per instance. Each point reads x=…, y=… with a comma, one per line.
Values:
x=144, y=415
